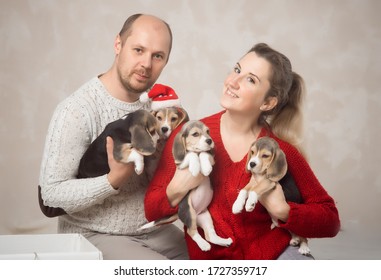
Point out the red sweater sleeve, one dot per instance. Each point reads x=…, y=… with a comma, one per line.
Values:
x=156, y=202
x=317, y=216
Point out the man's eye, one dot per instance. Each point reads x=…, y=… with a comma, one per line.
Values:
x=159, y=56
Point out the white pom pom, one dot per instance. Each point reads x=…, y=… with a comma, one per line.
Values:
x=144, y=97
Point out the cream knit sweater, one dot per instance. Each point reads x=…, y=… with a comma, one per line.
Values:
x=92, y=204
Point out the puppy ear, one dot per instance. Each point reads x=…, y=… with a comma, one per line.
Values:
x=179, y=148
x=278, y=166
x=141, y=140
x=183, y=115
x=249, y=155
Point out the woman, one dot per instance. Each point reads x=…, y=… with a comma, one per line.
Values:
x=261, y=96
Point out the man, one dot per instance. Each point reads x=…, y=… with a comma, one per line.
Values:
x=109, y=209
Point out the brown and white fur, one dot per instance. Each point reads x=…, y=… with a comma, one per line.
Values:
x=193, y=149
x=134, y=135
x=267, y=164
x=168, y=119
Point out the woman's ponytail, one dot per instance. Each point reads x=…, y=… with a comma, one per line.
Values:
x=287, y=123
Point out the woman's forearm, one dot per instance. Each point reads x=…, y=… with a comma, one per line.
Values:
x=182, y=182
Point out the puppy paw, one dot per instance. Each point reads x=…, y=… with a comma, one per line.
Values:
x=295, y=241
x=191, y=161
x=205, y=247
x=194, y=167
x=201, y=242
x=138, y=160
x=304, y=249
x=239, y=202
x=251, y=201
x=206, y=169
x=139, y=169
x=237, y=207
x=225, y=242
x=206, y=162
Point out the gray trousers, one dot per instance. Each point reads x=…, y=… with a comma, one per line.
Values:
x=167, y=242
x=292, y=253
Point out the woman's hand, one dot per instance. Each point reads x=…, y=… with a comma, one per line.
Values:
x=275, y=203
x=182, y=182
x=119, y=172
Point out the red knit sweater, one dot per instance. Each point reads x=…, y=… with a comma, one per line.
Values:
x=251, y=232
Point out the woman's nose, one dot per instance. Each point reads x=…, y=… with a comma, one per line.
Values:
x=234, y=80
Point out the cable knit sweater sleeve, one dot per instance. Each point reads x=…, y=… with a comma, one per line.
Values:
x=69, y=134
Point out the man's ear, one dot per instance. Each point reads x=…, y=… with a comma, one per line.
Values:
x=269, y=104
x=117, y=44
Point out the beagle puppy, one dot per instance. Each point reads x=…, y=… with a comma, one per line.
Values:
x=193, y=149
x=168, y=119
x=267, y=164
x=135, y=136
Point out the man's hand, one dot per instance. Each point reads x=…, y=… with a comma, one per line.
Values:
x=119, y=172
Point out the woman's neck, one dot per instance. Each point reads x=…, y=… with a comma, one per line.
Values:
x=240, y=125
x=238, y=133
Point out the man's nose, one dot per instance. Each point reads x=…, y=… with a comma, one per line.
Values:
x=146, y=61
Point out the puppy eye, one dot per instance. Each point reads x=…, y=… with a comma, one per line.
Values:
x=196, y=134
x=265, y=156
x=173, y=119
x=159, y=118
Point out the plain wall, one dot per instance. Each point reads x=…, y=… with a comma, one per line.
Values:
x=49, y=48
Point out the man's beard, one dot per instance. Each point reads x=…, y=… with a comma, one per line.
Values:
x=126, y=82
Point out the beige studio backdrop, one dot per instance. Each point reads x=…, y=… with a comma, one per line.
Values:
x=50, y=47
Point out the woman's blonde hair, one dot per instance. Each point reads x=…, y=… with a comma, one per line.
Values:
x=286, y=118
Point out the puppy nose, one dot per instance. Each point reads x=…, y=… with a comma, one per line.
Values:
x=164, y=129
x=209, y=141
x=252, y=164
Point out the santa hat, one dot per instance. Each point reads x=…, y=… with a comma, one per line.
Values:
x=162, y=96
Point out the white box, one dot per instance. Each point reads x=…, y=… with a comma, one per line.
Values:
x=47, y=247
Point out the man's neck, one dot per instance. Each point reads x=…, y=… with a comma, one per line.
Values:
x=115, y=88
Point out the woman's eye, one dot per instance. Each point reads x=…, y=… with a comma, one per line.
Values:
x=237, y=70
x=251, y=80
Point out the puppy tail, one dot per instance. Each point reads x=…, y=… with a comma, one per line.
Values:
x=159, y=222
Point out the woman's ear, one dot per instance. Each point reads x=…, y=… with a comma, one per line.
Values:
x=269, y=104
